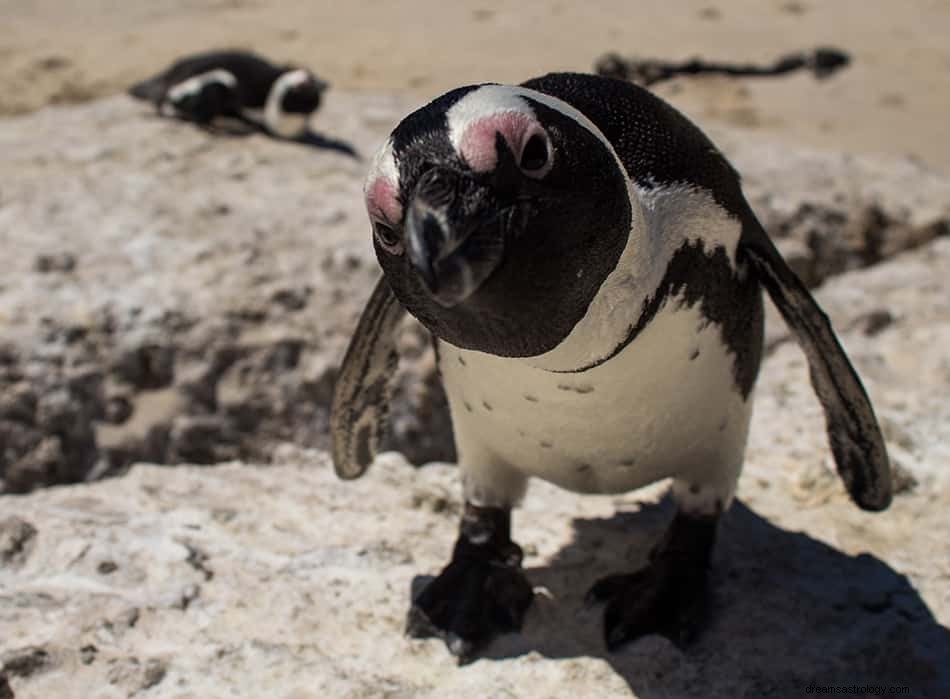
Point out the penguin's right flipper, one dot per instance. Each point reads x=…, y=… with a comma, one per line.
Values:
x=360, y=406
x=853, y=431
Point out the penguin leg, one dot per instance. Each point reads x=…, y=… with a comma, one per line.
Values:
x=481, y=593
x=669, y=596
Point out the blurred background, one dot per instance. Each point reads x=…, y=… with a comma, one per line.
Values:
x=892, y=100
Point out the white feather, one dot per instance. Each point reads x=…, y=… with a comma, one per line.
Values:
x=197, y=82
x=656, y=410
x=275, y=119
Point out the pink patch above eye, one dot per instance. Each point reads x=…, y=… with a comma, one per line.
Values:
x=382, y=202
x=477, y=146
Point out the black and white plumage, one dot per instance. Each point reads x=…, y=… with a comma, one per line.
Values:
x=236, y=84
x=592, y=274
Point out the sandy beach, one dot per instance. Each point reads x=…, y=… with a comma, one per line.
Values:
x=892, y=100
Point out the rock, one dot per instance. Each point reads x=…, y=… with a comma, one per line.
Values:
x=319, y=379
x=40, y=464
x=201, y=439
x=284, y=355
x=146, y=366
x=892, y=318
x=118, y=409
x=68, y=454
x=85, y=386
x=16, y=441
x=18, y=403
x=24, y=662
x=55, y=262
x=419, y=423
x=57, y=410
x=833, y=212
x=313, y=581
x=292, y=299
x=87, y=654
x=16, y=539
x=133, y=676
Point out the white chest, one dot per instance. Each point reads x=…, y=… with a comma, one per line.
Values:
x=665, y=406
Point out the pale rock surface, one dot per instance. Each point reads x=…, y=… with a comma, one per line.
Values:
x=281, y=581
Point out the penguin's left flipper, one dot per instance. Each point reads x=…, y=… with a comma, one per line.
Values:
x=359, y=408
x=670, y=595
x=208, y=103
x=853, y=431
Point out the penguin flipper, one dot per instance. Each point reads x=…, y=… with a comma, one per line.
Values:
x=853, y=431
x=360, y=405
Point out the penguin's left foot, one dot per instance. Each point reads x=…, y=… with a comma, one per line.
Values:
x=668, y=596
x=481, y=593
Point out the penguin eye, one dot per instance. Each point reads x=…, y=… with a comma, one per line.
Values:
x=388, y=238
x=535, y=155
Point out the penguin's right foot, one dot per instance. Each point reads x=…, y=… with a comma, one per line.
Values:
x=670, y=595
x=481, y=593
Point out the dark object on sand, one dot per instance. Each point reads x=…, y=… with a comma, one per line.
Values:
x=822, y=62
x=236, y=85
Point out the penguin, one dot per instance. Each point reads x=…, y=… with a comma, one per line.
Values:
x=238, y=85
x=592, y=277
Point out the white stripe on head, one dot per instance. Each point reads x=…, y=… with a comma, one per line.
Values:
x=490, y=100
x=481, y=103
x=276, y=119
x=383, y=165
x=381, y=188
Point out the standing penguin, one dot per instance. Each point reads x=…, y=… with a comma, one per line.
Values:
x=235, y=84
x=590, y=270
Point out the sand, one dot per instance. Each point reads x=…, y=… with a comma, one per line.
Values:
x=893, y=100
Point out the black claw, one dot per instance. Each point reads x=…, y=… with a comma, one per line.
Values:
x=668, y=602
x=482, y=593
x=669, y=596
x=469, y=603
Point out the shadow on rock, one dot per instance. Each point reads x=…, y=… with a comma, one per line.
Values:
x=239, y=128
x=315, y=139
x=788, y=612
x=312, y=139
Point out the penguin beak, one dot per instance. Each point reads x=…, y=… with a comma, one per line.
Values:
x=453, y=245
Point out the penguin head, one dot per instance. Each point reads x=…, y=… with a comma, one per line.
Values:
x=302, y=92
x=497, y=213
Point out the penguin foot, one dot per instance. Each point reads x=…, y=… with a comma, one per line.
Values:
x=669, y=596
x=480, y=594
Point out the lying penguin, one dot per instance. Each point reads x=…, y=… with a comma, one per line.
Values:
x=238, y=85
x=590, y=270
